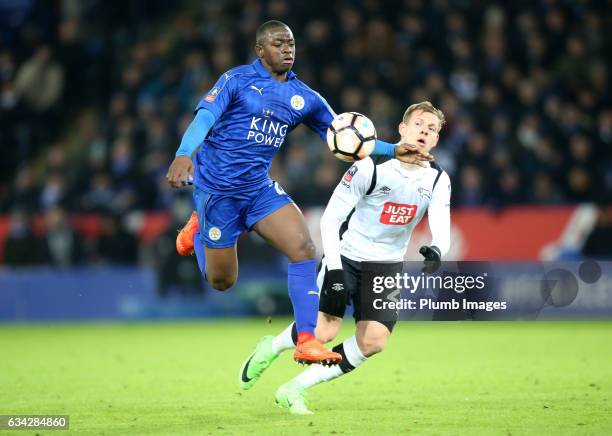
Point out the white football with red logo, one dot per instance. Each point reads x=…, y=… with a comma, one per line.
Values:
x=351, y=136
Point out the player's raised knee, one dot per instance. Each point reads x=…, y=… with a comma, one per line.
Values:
x=306, y=250
x=221, y=283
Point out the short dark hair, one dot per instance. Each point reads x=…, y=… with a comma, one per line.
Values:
x=266, y=27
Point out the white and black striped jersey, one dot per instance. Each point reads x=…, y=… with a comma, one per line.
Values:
x=376, y=206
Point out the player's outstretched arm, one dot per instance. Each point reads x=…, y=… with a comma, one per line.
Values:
x=409, y=153
x=322, y=115
x=181, y=170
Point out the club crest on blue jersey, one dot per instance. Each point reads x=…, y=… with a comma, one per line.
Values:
x=214, y=233
x=297, y=102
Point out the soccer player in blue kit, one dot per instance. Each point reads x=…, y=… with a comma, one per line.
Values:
x=239, y=126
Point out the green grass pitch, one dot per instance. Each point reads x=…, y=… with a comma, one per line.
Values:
x=433, y=378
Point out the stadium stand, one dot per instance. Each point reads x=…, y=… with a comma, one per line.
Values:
x=94, y=97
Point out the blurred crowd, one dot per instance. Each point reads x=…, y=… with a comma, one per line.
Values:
x=95, y=95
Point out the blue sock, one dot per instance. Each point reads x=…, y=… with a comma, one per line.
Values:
x=198, y=247
x=304, y=294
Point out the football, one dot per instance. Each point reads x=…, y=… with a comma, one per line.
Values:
x=351, y=136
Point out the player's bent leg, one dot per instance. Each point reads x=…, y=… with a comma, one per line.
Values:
x=371, y=337
x=328, y=327
x=221, y=267
x=285, y=228
x=295, y=390
x=268, y=349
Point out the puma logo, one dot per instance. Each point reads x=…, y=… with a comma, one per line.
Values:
x=257, y=89
x=313, y=293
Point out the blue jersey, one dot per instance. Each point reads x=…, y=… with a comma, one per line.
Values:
x=254, y=113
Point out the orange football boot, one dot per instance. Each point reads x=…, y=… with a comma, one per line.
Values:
x=184, y=240
x=309, y=350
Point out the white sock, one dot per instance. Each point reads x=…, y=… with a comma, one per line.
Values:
x=352, y=357
x=316, y=374
x=284, y=341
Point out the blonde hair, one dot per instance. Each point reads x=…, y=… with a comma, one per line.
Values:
x=424, y=106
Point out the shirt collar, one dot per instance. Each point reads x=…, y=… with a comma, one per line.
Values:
x=397, y=165
x=261, y=70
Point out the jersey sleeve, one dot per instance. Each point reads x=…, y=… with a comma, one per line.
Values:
x=220, y=96
x=320, y=116
x=439, y=214
x=353, y=186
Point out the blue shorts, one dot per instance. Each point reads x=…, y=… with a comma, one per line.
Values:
x=223, y=218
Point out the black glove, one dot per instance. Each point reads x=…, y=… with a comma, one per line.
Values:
x=432, y=257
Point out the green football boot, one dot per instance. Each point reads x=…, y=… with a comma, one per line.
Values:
x=292, y=396
x=257, y=363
